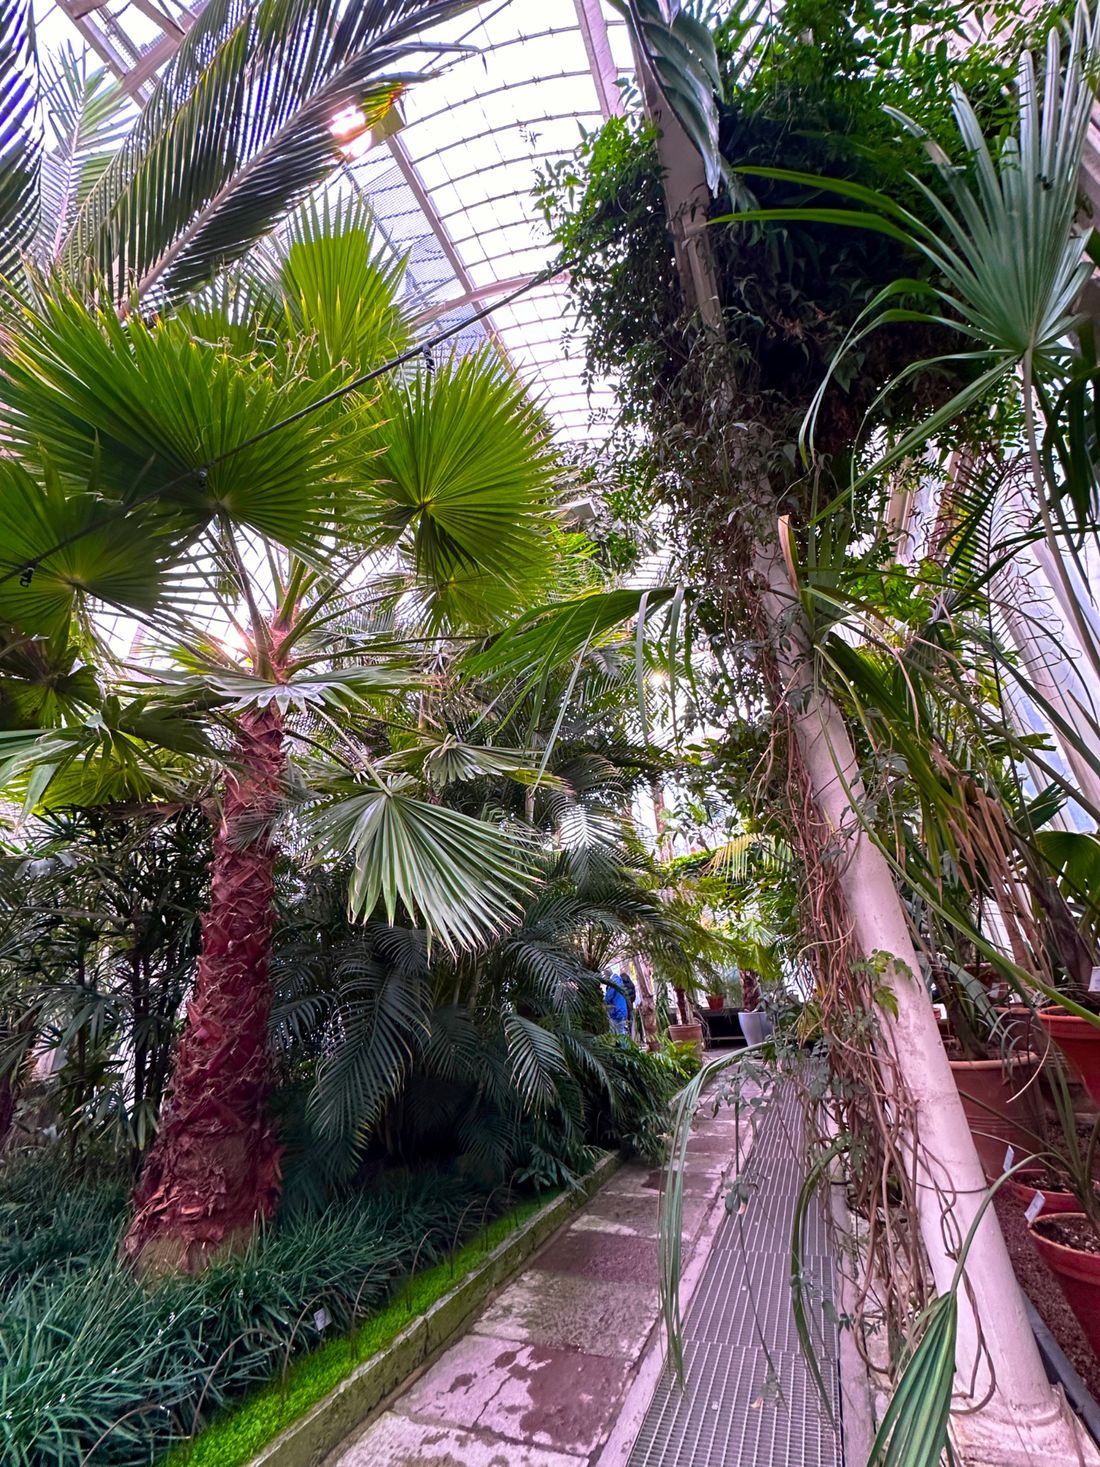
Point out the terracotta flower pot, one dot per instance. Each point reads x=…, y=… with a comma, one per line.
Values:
x=998, y=1116
x=1078, y=1272
x=716, y=1001
x=687, y=1034
x=1021, y=1188
x=1079, y=1041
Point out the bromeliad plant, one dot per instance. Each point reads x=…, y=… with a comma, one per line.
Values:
x=295, y=575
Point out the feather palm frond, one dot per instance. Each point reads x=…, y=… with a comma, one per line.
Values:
x=20, y=134
x=238, y=130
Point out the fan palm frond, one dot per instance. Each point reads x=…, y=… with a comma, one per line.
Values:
x=115, y=755
x=462, y=876
x=463, y=484
x=1007, y=261
x=444, y=760
x=338, y=287
x=96, y=554
x=163, y=420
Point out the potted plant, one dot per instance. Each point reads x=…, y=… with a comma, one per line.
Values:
x=689, y=1030
x=1063, y=1169
x=725, y=993
x=1068, y=1242
x=1071, y=907
x=993, y=1067
x=756, y=948
x=1032, y=1181
x=1079, y=1041
x=691, y=1033
x=755, y=1023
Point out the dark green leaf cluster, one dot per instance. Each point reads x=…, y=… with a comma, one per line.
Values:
x=807, y=91
x=90, y=1362
x=391, y=1050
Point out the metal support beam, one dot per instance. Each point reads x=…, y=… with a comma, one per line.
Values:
x=474, y=297
x=97, y=41
x=137, y=78
x=597, y=43
x=134, y=76
x=442, y=234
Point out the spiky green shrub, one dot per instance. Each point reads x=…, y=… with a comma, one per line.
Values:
x=93, y=1367
x=235, y=1437
x=632, y=1113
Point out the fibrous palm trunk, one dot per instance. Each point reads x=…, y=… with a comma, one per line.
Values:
x=998, y=1368
x=214, y=1167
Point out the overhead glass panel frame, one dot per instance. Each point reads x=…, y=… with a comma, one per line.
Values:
x=452, y=188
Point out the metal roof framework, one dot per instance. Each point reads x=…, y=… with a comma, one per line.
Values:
x=452, y=188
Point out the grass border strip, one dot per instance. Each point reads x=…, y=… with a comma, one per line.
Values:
x=320, y=1429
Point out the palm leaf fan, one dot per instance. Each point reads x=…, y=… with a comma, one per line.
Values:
x=463, y=486
x=164, y=420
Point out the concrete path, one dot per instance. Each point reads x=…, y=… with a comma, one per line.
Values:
x=546, y=1372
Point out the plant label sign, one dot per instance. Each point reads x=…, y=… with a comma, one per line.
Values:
x=1010, y=1157
x=1034, y=1207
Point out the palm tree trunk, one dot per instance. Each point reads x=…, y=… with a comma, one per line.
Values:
x=998, y=1368
x=213, y=1170
x=999, y=1374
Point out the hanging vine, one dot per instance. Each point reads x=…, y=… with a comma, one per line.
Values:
x=710, y=425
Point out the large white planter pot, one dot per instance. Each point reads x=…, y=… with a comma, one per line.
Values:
x=756, y=1027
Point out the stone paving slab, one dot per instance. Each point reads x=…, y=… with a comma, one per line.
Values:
x=700, y=1180
x=614, y=1258
x=397, y=1441
x=551, y=1398
x=542, y=1374
x=570, y=1313
x=632, y=1214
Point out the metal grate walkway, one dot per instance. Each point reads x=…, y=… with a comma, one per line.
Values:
x=749, y=1399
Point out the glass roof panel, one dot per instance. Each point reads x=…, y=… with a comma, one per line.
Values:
x=452, y=189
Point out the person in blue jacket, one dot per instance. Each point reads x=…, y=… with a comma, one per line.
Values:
x=618, y=1014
